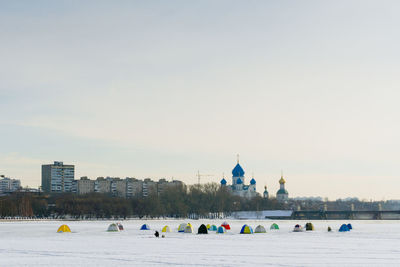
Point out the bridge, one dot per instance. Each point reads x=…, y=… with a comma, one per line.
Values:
x=345, y=214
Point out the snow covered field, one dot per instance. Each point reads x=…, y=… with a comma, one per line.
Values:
x=370, y=243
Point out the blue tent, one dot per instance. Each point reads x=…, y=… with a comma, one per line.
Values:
x=344, y=228
x=145, y=227
x=221, y=230
x=246, y=229
x=350, y=226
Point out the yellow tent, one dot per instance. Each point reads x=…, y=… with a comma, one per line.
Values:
x=64, y=229
x=166, y=229
x=208, y=226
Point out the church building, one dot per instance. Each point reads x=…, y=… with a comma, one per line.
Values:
x=239, y=186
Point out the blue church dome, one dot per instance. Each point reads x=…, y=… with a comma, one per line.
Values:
x=239, y=181
x=223, y=181
x=252, y=181
x=238, y=171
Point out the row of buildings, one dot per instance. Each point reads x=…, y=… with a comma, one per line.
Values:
x=60, y=178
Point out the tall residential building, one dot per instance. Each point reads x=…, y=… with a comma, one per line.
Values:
x=8, y=184
x=57, y=177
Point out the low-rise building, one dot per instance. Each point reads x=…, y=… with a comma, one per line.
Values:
x=149, y=187
x=128, y=187
x=102, y=185
x=83, y=186
x=9, y=185
x=134, y=187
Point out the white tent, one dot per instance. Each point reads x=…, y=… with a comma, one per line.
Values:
x=113, y=228
x=188, y=229
x=182, y=227
x=260, y=229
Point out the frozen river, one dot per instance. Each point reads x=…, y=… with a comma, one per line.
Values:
x=370, y=243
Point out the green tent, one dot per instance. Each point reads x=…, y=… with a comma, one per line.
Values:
x=274, y=226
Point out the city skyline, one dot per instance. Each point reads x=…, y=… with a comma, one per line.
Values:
x=145, y=89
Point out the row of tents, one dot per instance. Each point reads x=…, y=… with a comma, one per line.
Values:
x=204, y=229
x=185, y=228
x=310, y=227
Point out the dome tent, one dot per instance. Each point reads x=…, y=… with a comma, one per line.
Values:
x=309, y=227
x=64, y=229
x=166, y=229
x=298, y=228
x=274, y=226
x=221, y=230
x=202, y=229
x=188, y=229
x=208, y=226
x=181, y=227
x=246, y=229
x=260, y=229
x=145, y=227
x=213, y=228
x=350, y=226
x=113, y=228
x=226, y=225
x=344, y=228
x=120, y=226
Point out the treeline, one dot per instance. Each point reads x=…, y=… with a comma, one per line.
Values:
x=177, y=201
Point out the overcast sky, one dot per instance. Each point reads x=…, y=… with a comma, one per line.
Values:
x=166, y=88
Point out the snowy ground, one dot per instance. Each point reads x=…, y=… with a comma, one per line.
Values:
x=370, y=243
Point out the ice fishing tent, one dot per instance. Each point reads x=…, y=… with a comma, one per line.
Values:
x=226, y=225
x=208, y=226
x=260, y=229
x=329, y=229
x=120, y=226
x=246, y=229
x=64, y=229
x=309, y=227
x=221, y=230
x=350, y=226
x=274, y=226
x=145, y=227
x=202, y=229
x=181, y=227
x=213, y=228
x=113, y=228
x=166, y=229
x=298, y=228
x=344, y=228
x=188, y=229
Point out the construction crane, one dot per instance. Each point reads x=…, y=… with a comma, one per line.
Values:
x=201, y=175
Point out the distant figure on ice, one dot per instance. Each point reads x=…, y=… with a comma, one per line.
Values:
x=156, y=234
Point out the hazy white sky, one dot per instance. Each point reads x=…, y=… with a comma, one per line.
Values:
x=166, y=88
